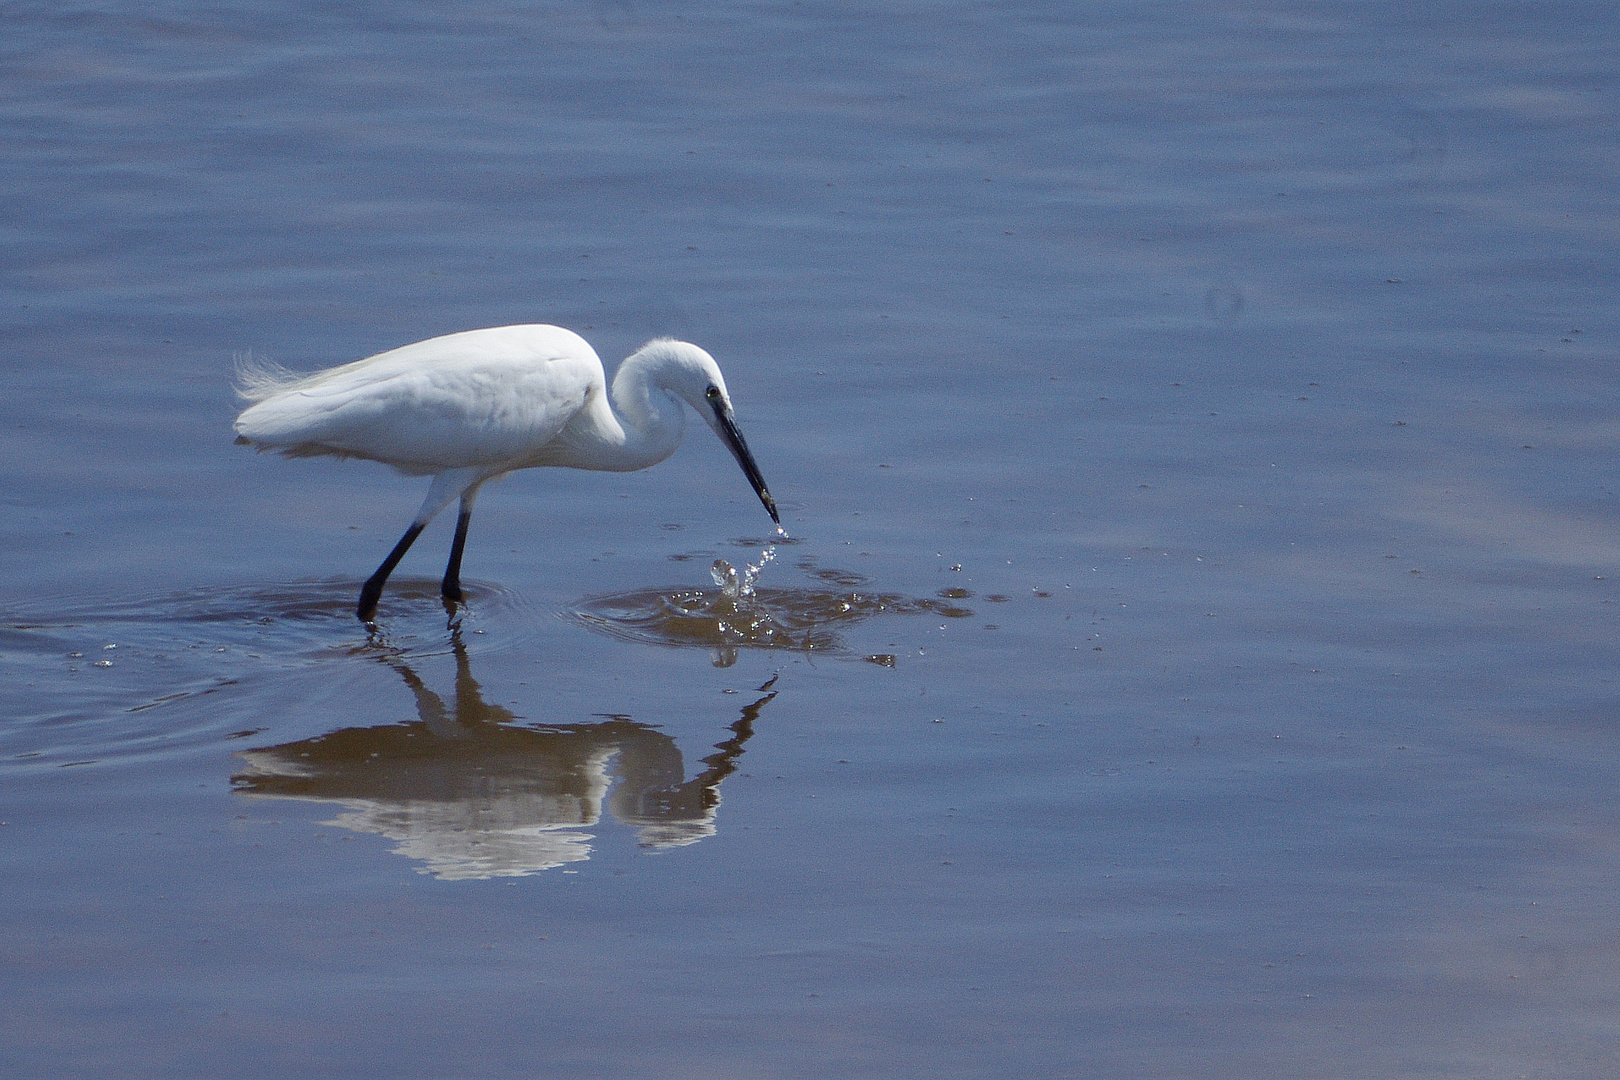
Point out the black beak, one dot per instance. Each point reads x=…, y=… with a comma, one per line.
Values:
x=739, y=450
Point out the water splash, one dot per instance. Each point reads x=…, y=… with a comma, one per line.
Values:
x=738, y=615
x=740, y=586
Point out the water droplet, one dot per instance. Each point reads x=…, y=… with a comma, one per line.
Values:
x=725, y=576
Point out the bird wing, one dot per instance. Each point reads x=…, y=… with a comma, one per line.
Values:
x=477, y=399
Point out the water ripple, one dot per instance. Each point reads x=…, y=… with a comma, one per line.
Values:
x=83, y=683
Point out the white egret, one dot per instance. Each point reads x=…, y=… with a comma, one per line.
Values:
x=468, y=407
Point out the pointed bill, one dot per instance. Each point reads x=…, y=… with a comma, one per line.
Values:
x=727, y=427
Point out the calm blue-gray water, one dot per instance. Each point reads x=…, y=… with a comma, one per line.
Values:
x=1193, y=655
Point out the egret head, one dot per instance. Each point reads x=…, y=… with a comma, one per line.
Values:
x=692, y=375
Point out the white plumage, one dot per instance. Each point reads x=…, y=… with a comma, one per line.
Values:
x=468, y=407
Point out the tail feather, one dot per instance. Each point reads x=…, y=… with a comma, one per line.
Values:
x=258, y=379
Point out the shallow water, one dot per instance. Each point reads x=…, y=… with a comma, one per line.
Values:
x=1193, y=649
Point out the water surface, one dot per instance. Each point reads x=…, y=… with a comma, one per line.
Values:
x=1193, y=654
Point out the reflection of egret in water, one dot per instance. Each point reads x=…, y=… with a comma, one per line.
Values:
x=737, y=614
x=473, y=795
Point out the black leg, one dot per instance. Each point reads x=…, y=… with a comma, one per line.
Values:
x=451, y=589
x=371, y=591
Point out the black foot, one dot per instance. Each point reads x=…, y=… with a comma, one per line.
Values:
x=370, y=593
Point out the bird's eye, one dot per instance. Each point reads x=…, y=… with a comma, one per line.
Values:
x=712, y=393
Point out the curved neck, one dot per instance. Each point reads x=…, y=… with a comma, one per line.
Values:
x=638, y=424
x=643, y=402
